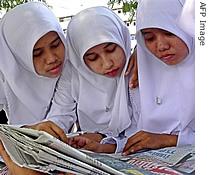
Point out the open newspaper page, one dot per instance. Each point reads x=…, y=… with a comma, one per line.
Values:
x=42, y=152
x=166, y=161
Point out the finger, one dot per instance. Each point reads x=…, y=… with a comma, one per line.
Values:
x=70, y=141
x=133, y=149
x=133, y=85
x=133, y=82
x=130, y=144
x=131, y=141
x=81, y=142
x=93, y=136
x=1, y=147
x=51, y=132
x=130, y=66
x=138, y=137
x=51, y=128
x=6, y=157
x=59, y=132
x=92, y=146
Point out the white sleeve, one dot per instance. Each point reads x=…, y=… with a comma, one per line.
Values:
x=63, y=108
x=120, y=141
x=187, y=136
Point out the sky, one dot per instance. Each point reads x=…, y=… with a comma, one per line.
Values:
x=63, y=8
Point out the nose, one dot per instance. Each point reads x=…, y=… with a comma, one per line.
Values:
x=107, y=62
x=162, y=44
x=50, y=57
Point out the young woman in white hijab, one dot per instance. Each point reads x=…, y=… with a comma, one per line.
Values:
x=98, y=44
x=32, y=57
x=166, y=77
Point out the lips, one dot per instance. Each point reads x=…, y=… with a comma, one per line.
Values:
x=56, y=69
x=167, y=58
x=112, y=73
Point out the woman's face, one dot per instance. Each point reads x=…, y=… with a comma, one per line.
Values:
x=48, y=55
x=165, y=46
x=106, y=59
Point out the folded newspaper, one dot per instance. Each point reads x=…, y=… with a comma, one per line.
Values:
x=42, y=152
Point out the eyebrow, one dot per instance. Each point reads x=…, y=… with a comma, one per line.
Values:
x=145, y=32
x=57, y=38
x=107, y=45
x=88, y=54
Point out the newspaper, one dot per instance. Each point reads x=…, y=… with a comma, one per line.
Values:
x=166, y=161
x=4, y=171
x=42, y=152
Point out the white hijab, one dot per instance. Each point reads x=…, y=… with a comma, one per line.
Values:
x=102, y=102
x=166, y=92
x=187, y=18
x=28, y=94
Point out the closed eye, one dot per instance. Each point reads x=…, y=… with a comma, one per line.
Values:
x=91, y=57
x=56, y=43
x=110, y=47
x=169, y=33
x=148, y=36
x=37, y=52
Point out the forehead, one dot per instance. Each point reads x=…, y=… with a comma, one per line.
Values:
x=153, y=30
x=46, y=39
x=98, y=47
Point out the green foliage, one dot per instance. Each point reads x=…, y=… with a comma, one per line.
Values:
x=9, y=4
x=127, y=7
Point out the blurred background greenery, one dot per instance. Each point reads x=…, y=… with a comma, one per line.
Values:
x=127, y=6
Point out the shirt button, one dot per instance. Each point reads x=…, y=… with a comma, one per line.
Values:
x=107, y=109
x=158, y=100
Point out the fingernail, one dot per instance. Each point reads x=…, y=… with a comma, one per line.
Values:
x=131, y=85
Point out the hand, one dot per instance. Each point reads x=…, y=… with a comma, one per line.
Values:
x=51, y=128
x=133, y=68
x=93, y=136
x=13, y=168
x=91, y=145
x=83, y=142
x=143, y=140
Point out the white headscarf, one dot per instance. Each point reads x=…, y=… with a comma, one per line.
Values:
x=166, y=92
x=28, y=94
x=187, y=18
x=102, y=102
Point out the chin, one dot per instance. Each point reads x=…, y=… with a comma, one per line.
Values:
x=54, y=76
